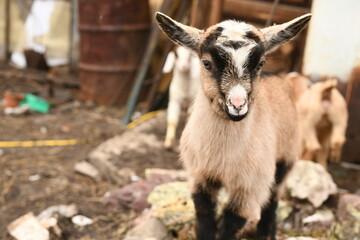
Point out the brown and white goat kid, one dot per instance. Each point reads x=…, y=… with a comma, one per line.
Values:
x=242, y=134
x=183, y=87
x=323, y=116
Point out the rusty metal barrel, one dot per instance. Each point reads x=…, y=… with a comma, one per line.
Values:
x=113, y=34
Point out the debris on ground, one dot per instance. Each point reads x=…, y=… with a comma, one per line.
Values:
x=81, y=220
x=87, y=169
x=28, y=227
x=150, y=230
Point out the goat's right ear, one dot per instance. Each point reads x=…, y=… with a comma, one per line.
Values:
x=169, y=62
x=184, y=35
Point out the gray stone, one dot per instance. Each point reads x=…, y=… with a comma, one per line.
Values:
x=321, y=218
x=349, y=207
x=152, y=229
x=309, y=180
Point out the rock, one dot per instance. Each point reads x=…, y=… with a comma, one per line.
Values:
x=301, y=238
x=27, y=227
x=63, y=210
x=150, y=230
x=81, y=220
x=309, y=180
x=321, y=218
x=87, y=169
x=283, y=211
x=172, y=204
x=348, y=229
x=134, y=195
x=348, y=207
x=177, y=175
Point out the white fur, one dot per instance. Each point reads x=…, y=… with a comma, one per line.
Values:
x=184, y=86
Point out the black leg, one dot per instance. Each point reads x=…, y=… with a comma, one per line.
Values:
x=231, y=224
x=266, y=228
x=205, y=205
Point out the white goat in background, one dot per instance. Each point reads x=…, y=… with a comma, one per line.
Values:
x=183, y=88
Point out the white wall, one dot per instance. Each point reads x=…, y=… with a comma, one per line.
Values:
x=333, y=41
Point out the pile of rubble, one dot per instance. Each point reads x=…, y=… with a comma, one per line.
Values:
x=313, y=207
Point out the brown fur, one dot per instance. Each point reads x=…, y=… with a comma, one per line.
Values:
x=322, y=119
x=235, y=153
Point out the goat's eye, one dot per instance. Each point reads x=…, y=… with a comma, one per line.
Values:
x=260, y=65
x=207, y=64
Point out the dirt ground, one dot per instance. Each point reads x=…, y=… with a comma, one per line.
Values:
x=70, y=118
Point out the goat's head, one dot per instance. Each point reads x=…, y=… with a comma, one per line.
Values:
x=232, y=54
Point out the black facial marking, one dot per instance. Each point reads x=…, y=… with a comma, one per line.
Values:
x=233, y=44
x=211, y=39
x=254, y=59
x=231, y=224
x=253, y=36
x=236, y=118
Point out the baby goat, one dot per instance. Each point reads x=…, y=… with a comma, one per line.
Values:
x=323, y=116
x=184, y=86
x=242, y=134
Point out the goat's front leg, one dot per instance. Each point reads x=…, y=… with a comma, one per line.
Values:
x=266, y=227
x=233, y=218
x=204, y=196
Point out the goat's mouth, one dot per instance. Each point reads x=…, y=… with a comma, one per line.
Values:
x=236, y=114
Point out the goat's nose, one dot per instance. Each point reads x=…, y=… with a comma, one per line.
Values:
x=237, y=101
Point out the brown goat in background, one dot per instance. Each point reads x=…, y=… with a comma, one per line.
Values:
x=323, y=117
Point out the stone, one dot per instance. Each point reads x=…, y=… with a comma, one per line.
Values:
x=283, y=211
x=309, y=180
x=28, y=227
x=177, y=175
x=133, y=195
x=172, y=204
x=81, y=220
x=321, y=218
x=152, y=229
x=301, y=238
x=87, y=169
x=348, y=207
x=63, y=210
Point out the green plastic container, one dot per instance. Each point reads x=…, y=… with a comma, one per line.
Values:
x=35, y=103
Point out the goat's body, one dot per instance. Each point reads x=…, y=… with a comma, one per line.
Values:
x=237, y=153
x=323, y=125
x=322, y=114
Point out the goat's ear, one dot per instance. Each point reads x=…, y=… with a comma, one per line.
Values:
x=184, y=35
x=278, y=34
x=169, y=63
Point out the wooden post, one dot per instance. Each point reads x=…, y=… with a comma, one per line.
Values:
x=205, y=13
x=7, y=31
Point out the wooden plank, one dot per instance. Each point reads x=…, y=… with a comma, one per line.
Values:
x=259, y=11
x=205, y=13
x=300, y=3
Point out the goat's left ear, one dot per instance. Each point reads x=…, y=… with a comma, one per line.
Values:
x=278, y=34
x=181, y=34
